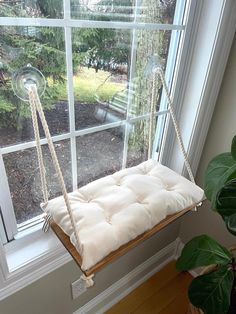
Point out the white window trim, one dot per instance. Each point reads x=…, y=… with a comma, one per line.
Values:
x=219, y=39
x=203, y=72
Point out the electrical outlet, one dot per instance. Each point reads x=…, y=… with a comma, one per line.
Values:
x=78, y=287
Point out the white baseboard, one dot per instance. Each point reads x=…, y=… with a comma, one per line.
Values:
x=129, y=282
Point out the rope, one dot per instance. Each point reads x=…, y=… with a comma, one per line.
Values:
x=173, y=117
x=36, y=105
x=88, y=280
x=152, y=113
x=39, y=152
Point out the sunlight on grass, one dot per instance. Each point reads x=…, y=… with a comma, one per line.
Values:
x=88, y=85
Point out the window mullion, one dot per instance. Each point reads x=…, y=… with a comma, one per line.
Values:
x=7, y=210
x=68, y=22
x=3, y=237
x=70, y=90
x=131, y=79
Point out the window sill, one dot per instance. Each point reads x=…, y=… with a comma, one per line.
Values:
x=29, y=259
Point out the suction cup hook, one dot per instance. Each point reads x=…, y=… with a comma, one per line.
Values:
x=23, y=78
x=154, y=62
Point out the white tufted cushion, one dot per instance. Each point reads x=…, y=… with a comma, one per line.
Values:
x=116, y=209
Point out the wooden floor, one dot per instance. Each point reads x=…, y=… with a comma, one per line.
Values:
x=163, y=293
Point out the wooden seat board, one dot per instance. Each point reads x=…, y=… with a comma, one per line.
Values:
x=121, y=250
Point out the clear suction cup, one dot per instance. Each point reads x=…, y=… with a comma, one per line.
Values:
x=154, y=62
x=24, y=77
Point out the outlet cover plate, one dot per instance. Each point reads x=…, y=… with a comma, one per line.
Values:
x=78, y=287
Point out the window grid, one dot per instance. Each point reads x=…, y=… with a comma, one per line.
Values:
x=56, y=138
x=20, y=21
x=67, y=23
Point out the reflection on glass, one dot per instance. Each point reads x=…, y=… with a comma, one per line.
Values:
x=152, y=51
x=101, y=59
x=32, y=8
x=24, y=178
x=43, y=48
x=99, y=154
x=148, y=11
x=102, y=68
x=138, y=142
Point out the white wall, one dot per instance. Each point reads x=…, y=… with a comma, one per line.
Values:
x=221, y=132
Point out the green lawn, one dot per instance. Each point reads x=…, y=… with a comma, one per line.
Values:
x=88, y=86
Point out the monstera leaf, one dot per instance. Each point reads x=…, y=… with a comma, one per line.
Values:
x=211, y=292
x=202, y=251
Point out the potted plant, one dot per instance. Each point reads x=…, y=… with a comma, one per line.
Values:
x=214, y=292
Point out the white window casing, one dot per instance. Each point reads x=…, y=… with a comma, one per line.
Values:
x=209, y=35
x=206, y=59
x=6, y=205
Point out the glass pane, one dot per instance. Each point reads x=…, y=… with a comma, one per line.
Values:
x=152, y=51
x=99, y=154
x=100, y=58
x=138, y=142
x=24, y=178
x=148, y=11
x=32, y=8
x=102, y=68
x=43, y=48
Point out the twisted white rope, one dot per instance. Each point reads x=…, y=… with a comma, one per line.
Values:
x=152, y=115
x=159, y=71
x=39, y=151
x=36, y=105
x=88, y=280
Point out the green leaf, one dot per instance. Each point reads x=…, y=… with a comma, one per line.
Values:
x=202, y=251
x=233, y=148
x=226, y=199
x=211, y=292
x=231, y=224
x=221, y=169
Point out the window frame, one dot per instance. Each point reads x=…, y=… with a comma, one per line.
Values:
x=224, y=13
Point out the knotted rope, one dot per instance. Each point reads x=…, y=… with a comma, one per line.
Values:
x=88, y=280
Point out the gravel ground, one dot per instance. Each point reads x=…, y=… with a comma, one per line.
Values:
x=98, y=154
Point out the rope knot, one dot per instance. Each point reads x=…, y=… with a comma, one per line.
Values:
x=46, y=224
x=88, y=280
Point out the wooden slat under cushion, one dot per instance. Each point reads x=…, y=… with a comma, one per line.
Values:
x=119, y=252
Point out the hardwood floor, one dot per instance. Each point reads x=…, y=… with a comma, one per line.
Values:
x=163, y=293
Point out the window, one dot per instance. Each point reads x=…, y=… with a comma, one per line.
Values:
x=97, y=57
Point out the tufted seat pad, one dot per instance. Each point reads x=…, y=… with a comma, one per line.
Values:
x=113, y=210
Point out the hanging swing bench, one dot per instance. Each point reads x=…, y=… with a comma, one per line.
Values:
x=106, y=218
